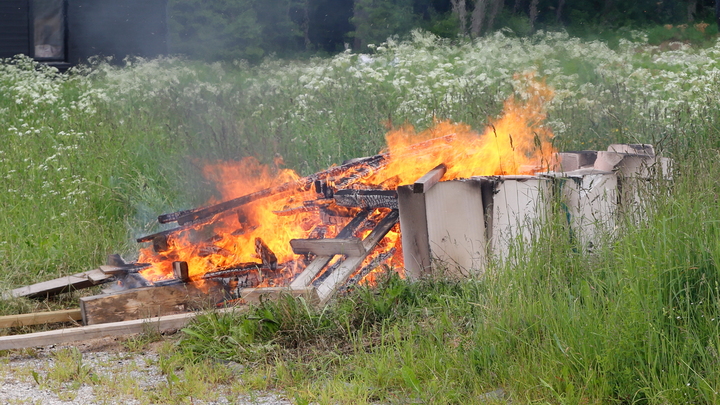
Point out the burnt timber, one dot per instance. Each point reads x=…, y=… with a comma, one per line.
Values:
x=367, y=198
x=187, y=216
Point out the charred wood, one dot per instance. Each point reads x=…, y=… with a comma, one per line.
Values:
x=198, y=214
x=296, y=210
x=338, y=276
x=168, y=282
x=181, y=271
x=234, y=270
x=269, y=260
x=165, y=233
x=376, y=262
x=307, y=206
x=172, y=217
x=367, y=198
x=318, y=232
x=133, y=280
x=124, y=268
x=160, y=243
x=115, y=260
x=208, y=250
x=252, y=279
x=322, y=187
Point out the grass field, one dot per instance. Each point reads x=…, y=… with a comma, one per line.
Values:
x=89, y=158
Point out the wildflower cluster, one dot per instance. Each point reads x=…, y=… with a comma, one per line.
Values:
x=74, y=139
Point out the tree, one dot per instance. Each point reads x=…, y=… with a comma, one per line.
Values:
x=330, y=25
x=534, y=13
x=478, y=18
x=459, y=10
x=233, y=29
x=221, y=29
x=377, y=20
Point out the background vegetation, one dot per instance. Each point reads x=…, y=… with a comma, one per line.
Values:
x=251, y=29
x=90, y=157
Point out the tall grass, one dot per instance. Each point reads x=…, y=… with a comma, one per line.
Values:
x=634, y=321
x=89, y=159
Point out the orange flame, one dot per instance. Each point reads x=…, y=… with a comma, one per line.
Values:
x=515, y=143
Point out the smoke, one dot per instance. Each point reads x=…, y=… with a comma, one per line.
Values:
x=116, y=28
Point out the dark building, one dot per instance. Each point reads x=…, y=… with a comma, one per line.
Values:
x=67, y=32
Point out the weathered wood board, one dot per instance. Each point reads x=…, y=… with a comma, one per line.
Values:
x=257, y=295
x=160, y=324
x=414, y=232
x=424, y=183
x=338, y=277
x=147, y=302
x=60, y=285
x=519, y=208
x=39, y=318
x=456, y=226
x=328, y=247
x=311, y=271
x=591, y=200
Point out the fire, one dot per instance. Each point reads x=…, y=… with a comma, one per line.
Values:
x=516, y=143
x=258, y=233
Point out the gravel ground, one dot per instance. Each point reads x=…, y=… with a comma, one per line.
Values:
x=108, y=361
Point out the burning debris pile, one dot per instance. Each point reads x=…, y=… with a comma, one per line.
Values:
x=461, y=200
x=277, y=229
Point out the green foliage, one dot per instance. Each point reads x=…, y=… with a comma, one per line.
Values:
x=633, y=321
x=377, y=20
x=700, y=34
x=232, y=29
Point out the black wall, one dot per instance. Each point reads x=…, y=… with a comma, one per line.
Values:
x=116, y=28
x=14, y=28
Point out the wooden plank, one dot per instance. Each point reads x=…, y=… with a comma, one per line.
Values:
x=632, y=148
x=60, y=285
x=39, y=318
x=367, y=198
x=257, y=295
x=113, y=270
x=328, y=247
x=160, y=324
x=424, y=183
x=350, y=265
x=591, y=200
x=414, y=232
x=146, y=302
x=311, y=271
x=456, y=227
x=520, y=205
x=181, y=271
x=192, y=215
x=570, y=161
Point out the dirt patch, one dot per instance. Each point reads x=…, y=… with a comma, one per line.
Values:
x=101, y=371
